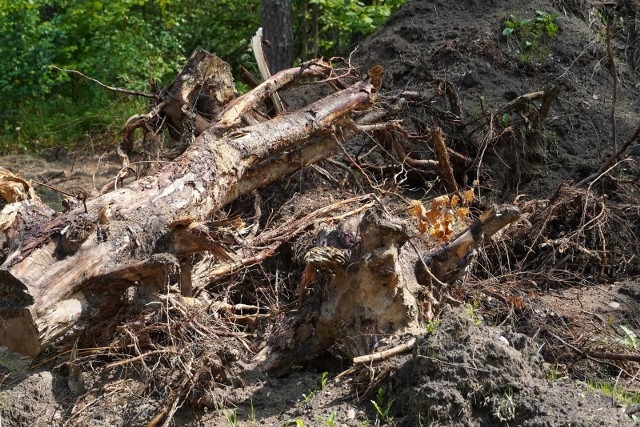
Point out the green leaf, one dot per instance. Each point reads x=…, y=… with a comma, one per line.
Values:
x=507, y=31
x=505, y=120
x=631, y=340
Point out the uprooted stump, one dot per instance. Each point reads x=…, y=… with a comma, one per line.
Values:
x=121, y=263
x=66, y=275
x=371, y=284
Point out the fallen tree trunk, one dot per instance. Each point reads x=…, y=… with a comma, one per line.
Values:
x=71, y=272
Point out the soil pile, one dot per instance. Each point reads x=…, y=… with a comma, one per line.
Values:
x=462, y=42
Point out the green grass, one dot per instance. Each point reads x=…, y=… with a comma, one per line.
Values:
x=383, y=408
x=618, y=393
x=87, y=124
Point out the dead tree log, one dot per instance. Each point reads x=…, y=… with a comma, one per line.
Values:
x=70, y=272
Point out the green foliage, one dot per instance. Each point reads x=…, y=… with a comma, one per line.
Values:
x=505, y=120
x=324, y=379
x=554, y=374
x=231, y=417
x=331, y=421
x=309, y=396
x=617, y=393
x=122, y=43
x=125, y=43
x=472, y=312
x=432, y=325
x=343, y=22
x=530, y=37
x=630, y=340
x=506, y=410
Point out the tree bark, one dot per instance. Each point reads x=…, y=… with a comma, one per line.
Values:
x=276, y=22
x=70, y=272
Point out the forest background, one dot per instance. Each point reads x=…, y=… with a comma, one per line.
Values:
x=137, y=44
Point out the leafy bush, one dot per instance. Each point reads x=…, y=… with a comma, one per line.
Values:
x=125, y=43
x=343, y=22
x=530, y=37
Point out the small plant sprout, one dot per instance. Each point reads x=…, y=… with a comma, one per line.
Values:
x=331, y=421
x=382, y=410
x=505, y=120
x=530, y=37
x=324, y=380
x=252, y=412
x=472, y=312
x=231, y=417
x=556, y=373
x=309, y=396
x=421, y=423
x=299, y=423
x=506, y=411
x=432, y=325
x=630, y=340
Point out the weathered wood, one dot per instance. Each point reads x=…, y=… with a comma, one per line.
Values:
x=257, y=42
x=189, y=105
x=46, y=293
x=450, y=260
x=362, y=291
x=371, y=289
x=20, y=210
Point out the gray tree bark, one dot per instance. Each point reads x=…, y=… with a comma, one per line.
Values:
x=276, y=23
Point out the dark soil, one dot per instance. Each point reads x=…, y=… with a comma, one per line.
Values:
x=462, y=42
x=492, y=361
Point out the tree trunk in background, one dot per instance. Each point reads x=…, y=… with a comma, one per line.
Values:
x=304, y=30
x=276, y=24
x=315, y=11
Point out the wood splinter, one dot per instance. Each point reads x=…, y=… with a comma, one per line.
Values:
x=385, y=354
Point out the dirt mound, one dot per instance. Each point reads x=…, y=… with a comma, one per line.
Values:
x=430, y=41
x=470, y=374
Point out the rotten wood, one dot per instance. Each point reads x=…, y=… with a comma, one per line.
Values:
x=449, y=261
x=351, y=293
